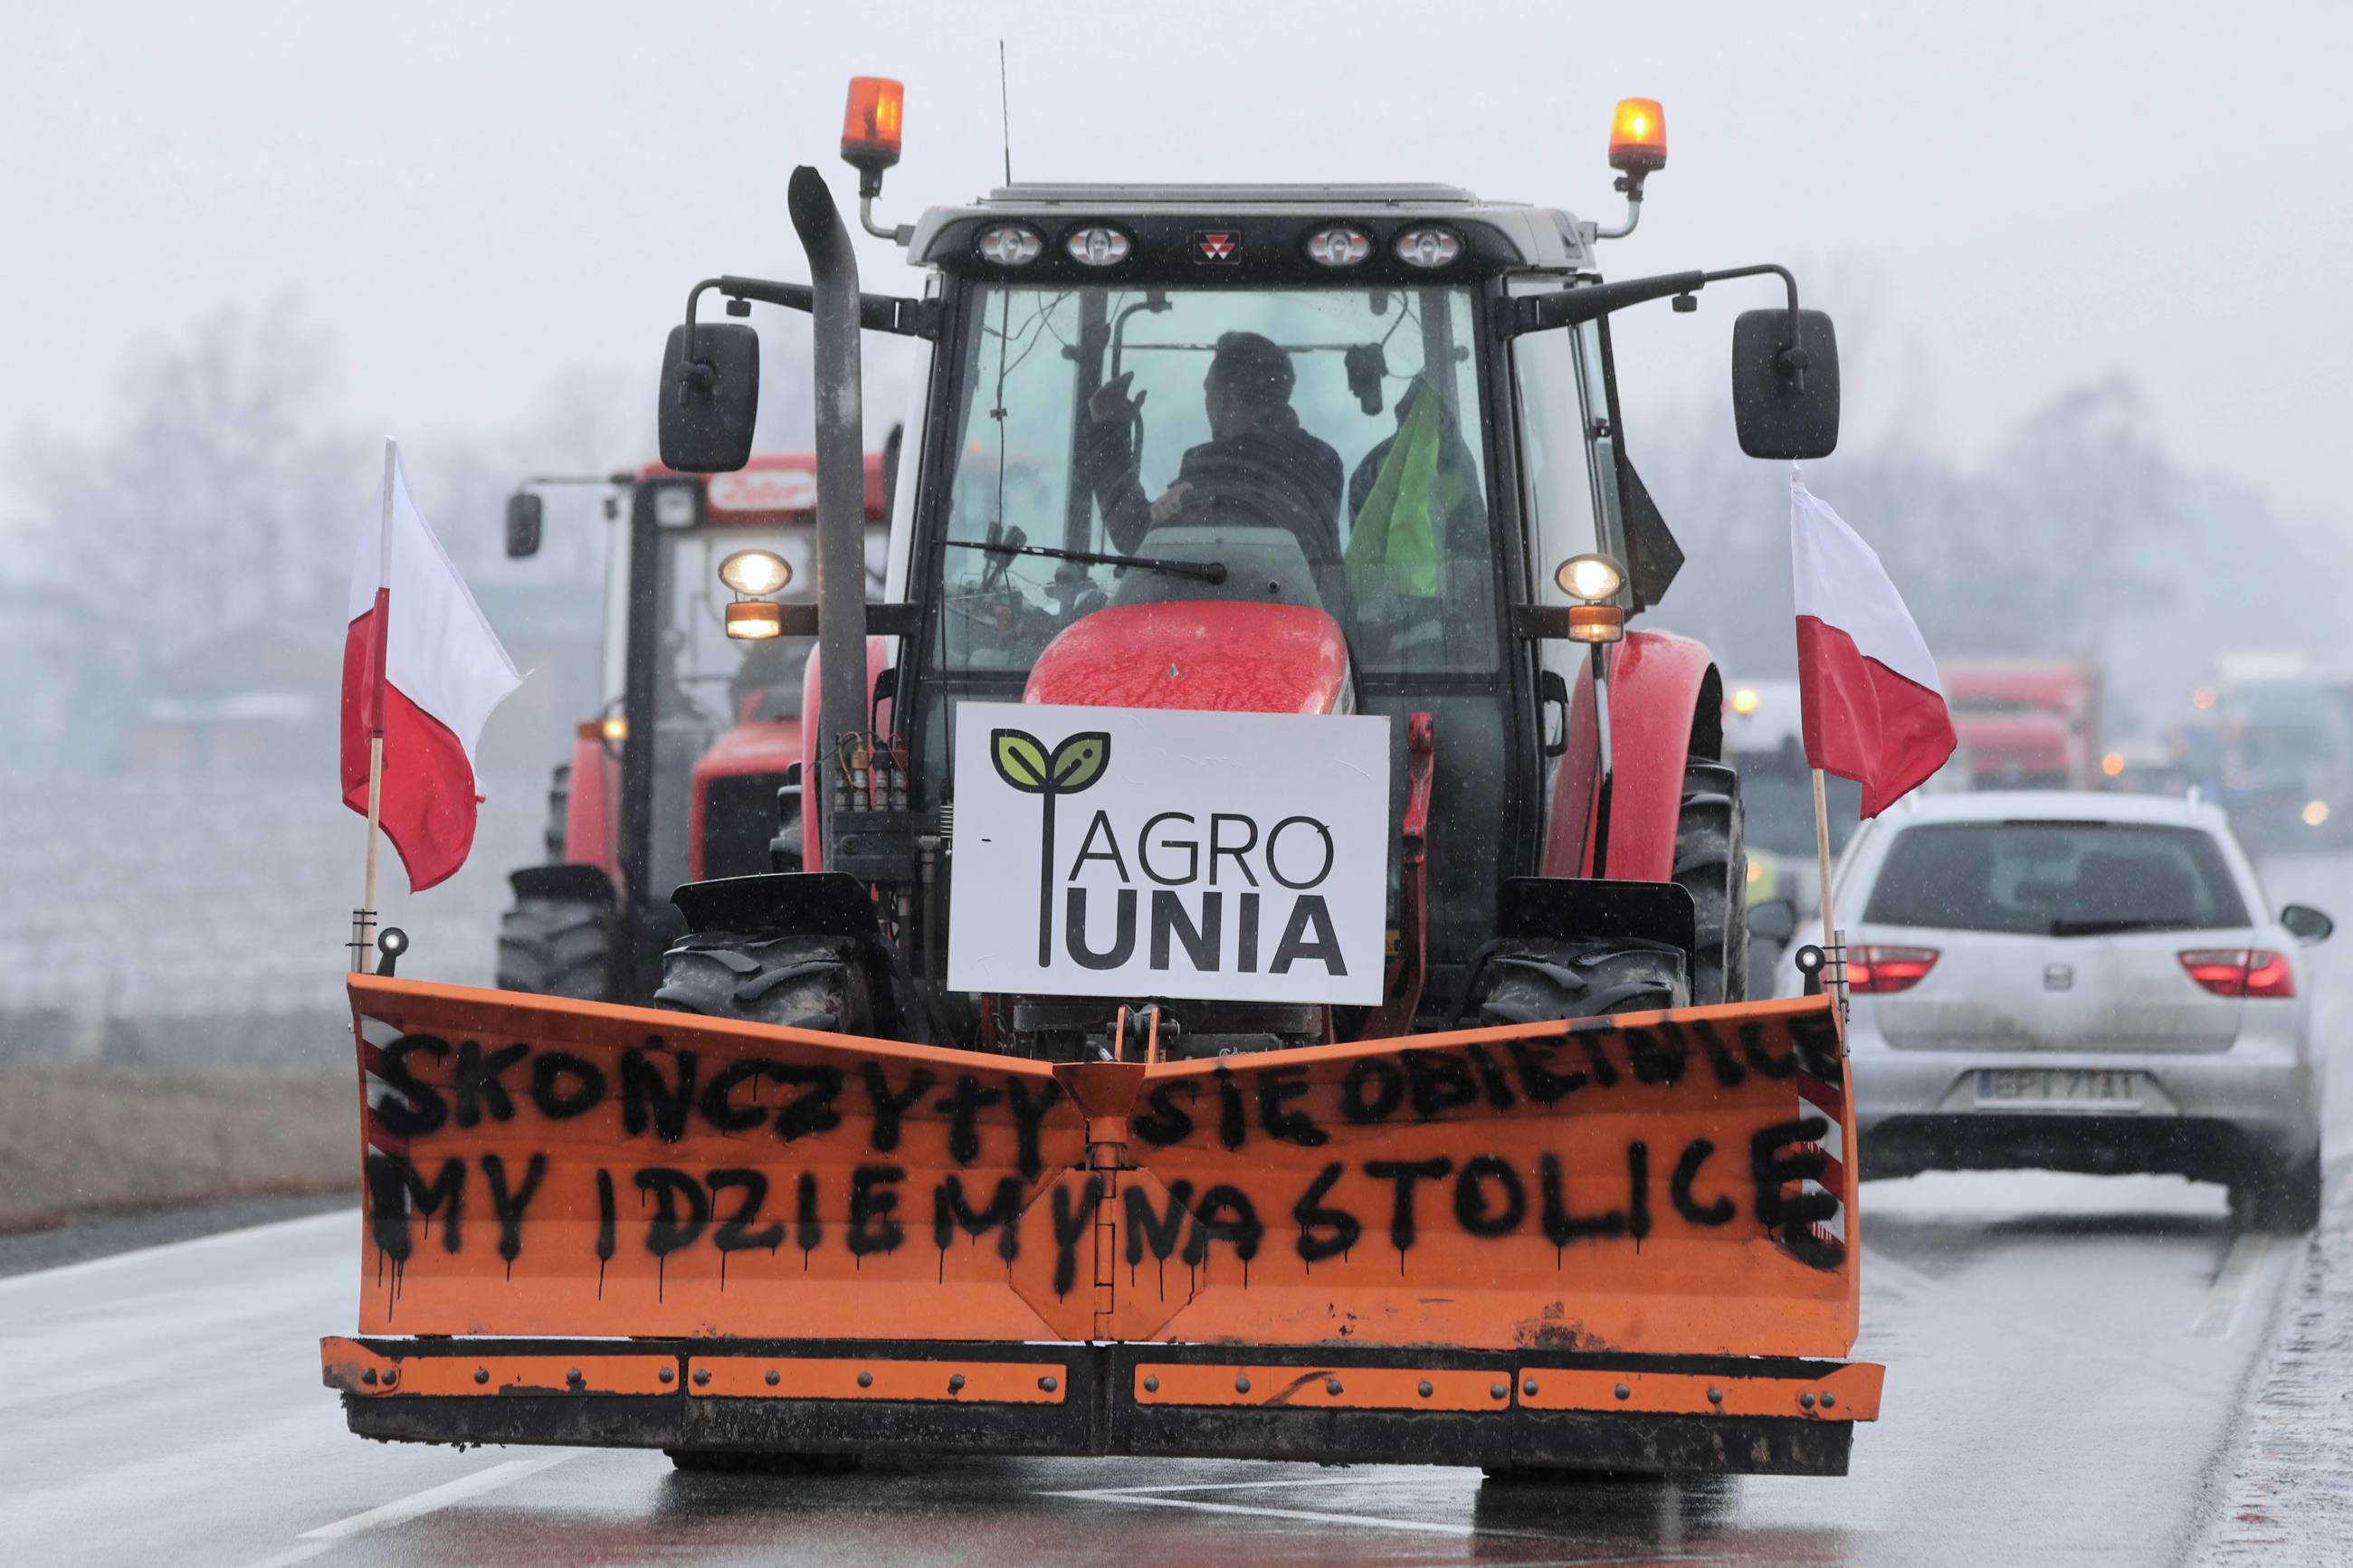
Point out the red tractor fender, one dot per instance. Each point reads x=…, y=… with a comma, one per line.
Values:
x=591, y=825
x=878, y=659
x=1664, y=707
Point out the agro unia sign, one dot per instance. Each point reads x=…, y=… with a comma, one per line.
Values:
x=1135, y=853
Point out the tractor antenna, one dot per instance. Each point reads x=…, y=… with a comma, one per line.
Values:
x=1004, y=111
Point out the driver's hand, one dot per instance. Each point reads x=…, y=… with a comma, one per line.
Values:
x=1110, y=401
x=1172, y=504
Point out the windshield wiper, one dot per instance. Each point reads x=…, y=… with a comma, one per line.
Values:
x=1200, y=570
x=2113, y=926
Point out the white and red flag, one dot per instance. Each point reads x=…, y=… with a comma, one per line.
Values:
x=423, y=670
x=1874, y=712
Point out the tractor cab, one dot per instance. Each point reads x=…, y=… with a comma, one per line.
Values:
x=1302, y=449
x=1254, y=466
x=678, y=777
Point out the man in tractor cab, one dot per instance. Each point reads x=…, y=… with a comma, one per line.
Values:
x=1259, y=467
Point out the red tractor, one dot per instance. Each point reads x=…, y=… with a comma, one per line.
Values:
x=678, y=777
x=1228, y=499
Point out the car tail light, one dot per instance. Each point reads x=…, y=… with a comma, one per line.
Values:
x=1877, y=971
x=2239, y=971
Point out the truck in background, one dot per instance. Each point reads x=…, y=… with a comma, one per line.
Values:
x=2027, y=723
x=2287, y=759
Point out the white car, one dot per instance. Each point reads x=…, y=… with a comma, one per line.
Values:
x=2078, y=982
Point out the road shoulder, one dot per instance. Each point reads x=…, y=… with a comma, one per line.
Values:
x=82, y=1240
x=2287, y=1493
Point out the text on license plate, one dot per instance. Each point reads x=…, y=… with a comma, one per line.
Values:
x=2084, y=1086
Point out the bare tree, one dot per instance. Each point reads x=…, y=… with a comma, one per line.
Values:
x=216, y=494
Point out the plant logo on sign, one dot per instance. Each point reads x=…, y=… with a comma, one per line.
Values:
x=1023, y=762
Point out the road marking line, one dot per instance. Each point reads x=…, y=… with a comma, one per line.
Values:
x=432, y=1499
x=1310, y=1515
x=2237, y=1281
x=1885, y=1269
x=1233, y=1486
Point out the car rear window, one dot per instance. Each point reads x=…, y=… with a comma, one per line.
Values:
x=2055, y=879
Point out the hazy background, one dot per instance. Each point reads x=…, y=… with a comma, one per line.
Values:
x=2083, y=260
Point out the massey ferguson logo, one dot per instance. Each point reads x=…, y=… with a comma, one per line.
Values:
x=1215, y=245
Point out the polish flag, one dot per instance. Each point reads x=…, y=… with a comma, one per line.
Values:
x=1874, y=712
x=423, y=670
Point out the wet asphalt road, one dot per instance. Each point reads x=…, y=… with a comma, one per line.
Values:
x=2069, y=1363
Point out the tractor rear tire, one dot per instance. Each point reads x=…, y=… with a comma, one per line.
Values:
x=558, y=947
x=1712, y=865
x=770, y=977
x=1537, y=982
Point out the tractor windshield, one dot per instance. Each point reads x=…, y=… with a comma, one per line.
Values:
x=1309, y=446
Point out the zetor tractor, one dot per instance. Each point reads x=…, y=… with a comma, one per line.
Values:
x=678, y=777
x=1278, y=492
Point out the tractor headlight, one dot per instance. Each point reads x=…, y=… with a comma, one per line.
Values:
x=1592, y=578
x=755, y=572
x=1427, y=249
x=1010, y=243
x=1097, y=246
x=754, y=620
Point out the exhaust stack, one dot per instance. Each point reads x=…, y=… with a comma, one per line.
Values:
x=840, y=479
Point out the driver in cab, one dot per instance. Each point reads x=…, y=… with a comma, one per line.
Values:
x=1259, y=467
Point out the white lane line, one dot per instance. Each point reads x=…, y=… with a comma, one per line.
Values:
x=1232, y=1486
x=1309, y=1516
x=2233, y=1286
x=1886, y=1271
x=277, y=1227
x=416, y=1504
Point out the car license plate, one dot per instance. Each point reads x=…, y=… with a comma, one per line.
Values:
x=2068, y=1088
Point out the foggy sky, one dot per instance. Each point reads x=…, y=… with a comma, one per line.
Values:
x=2006, y=198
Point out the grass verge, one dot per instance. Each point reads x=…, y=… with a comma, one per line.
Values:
x=85, y=1140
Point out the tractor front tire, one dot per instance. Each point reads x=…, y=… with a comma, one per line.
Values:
x=770, y=977
x=558, y=947
x=1712, y=865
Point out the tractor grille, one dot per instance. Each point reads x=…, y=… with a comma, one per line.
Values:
x=739, y=818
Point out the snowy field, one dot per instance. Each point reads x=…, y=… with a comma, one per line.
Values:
x=201, y=920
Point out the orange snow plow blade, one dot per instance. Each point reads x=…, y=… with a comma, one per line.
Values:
x=1621, y=1244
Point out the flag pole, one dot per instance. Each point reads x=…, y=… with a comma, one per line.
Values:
x=365, y=918
x=1833, y=940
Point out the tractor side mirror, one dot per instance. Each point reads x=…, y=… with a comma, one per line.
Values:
x=1775, y=921
x=525, y=512
x=1785, y=396
x=2306, y=924
x=709, y=402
